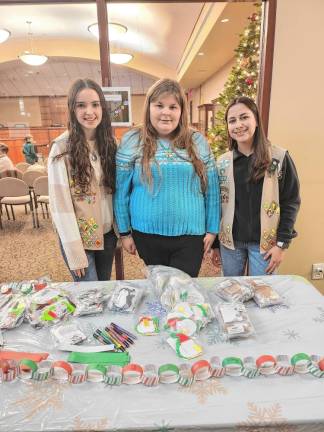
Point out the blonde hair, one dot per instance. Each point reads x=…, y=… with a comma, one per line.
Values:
x=181, y=137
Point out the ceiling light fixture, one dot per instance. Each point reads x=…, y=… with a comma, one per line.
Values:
x=29, y=57
x=120, y=58
x=225, y=20
x=115, y=30
x=201, y=53
x=4, y=34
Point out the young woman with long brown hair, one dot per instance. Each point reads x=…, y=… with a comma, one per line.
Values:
x=259, y=195
x=167, y=196
x=81, y=171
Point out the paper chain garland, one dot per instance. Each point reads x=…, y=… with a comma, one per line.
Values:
x=150, y=375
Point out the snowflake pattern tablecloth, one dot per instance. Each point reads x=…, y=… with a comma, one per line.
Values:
x=283, y=403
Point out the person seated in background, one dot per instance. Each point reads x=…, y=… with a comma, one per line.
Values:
x=29, y=150
x=5, y=162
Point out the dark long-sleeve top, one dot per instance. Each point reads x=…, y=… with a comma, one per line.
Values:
x=248, y=194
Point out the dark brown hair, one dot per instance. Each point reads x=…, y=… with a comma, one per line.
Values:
x=77, y=148
x=3, y=148
x=261, y=154
x=182, y=136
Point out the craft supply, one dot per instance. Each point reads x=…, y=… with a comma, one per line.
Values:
x=148, y=326
x=232, y=290
x=114, y=375
x=186, y=376
x=233, y=366
x=264, y=294
x=284, y=367
x=122, y=330
x=104, y=358
x=9, y=370
x=125, y=297
x=89, y=348
x=216, y=369
x=96, y=372
x=150, y=375
x=132, y=374
x=201, y=370
x=61, y=370
x=250, y=369
x=68, y=333
x=79, y=374
x=234, y=320
x=301, y=362
x=266, y=364
x=19, y=355
x=168, y=373
x=184, y=346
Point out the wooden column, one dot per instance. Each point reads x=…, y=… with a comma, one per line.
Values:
x=104, y=42
x=106, y=82
x=266, y=66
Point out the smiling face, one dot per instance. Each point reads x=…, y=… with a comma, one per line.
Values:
x=165, y=113
x=88, y=111
x=241, y=124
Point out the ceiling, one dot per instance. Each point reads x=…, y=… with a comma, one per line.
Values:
x=56, y=75
x=160, y=44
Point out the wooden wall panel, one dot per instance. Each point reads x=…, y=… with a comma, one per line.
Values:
x=43, y=136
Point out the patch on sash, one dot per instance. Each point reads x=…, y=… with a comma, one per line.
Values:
x=224, y=236
x=272, y=208
x=224, y=193
x=88, y=230
x=269, y=239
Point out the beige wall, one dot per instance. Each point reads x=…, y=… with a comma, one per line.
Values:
x=10, y=111
x=137, y=108
x=297, y=121
x=210, y=89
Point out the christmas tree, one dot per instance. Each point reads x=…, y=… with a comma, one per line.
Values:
x=242, y=81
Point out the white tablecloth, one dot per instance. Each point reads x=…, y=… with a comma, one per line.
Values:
x=287, y=403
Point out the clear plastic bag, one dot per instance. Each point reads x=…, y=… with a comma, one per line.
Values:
x=67, y=333
x=264, y=294
x=86, y=300
x=234, y=320
x=232, y=290
x=126, y=296
x=13, y=312
x=173, y=286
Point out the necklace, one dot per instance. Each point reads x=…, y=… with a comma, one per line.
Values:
x=167, y=151
x=93, y=156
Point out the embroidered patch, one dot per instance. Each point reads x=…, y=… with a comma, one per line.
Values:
x=224, y=236
x=88, y=230
x=224, y=192
x=269, y=239
x=274, y=166
x=272, y=208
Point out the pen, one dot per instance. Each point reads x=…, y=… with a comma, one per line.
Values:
x=131, y=335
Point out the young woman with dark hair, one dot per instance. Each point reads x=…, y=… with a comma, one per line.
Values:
x=81, y=170
x=167, y=196
x=259, y=195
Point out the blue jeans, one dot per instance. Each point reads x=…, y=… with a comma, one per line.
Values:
x=99, y=261
x=234, y=261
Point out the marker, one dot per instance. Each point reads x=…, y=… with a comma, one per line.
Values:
x=131, y=335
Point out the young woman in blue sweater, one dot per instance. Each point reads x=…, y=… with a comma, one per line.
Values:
x=167, y=194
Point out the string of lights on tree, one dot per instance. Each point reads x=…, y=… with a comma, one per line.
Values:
x=242, y=80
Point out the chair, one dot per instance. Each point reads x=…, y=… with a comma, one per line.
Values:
x=29, y=177
x=41, y=196
x=22, y=166
x=16, y=174
x=15, y=192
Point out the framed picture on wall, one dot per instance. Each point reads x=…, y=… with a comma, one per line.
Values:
x=119, y=105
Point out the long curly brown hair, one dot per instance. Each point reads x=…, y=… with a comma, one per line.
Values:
x=182, y=136
x=261, y=158
x=77, y=149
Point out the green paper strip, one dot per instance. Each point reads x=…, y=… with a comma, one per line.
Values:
x=228, y=361
x=169, y=367
x=104, y=358
x=29, y=363
x=298, y=357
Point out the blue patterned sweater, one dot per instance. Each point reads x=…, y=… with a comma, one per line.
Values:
x=174, y=204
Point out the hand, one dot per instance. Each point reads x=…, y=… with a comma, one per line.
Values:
x=216, y=258
x=277, y=255
x=208, y=241
x=129, y=244
x=79, y=272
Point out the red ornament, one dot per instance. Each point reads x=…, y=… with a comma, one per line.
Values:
x=253, y=17
x=249, y=81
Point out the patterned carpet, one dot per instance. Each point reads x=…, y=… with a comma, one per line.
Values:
x=28, y=253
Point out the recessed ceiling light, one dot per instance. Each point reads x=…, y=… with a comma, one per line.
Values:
x=201, y=53
x=224, y=20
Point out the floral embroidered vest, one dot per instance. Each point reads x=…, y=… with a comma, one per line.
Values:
x=270, y=208
x=87, y=208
